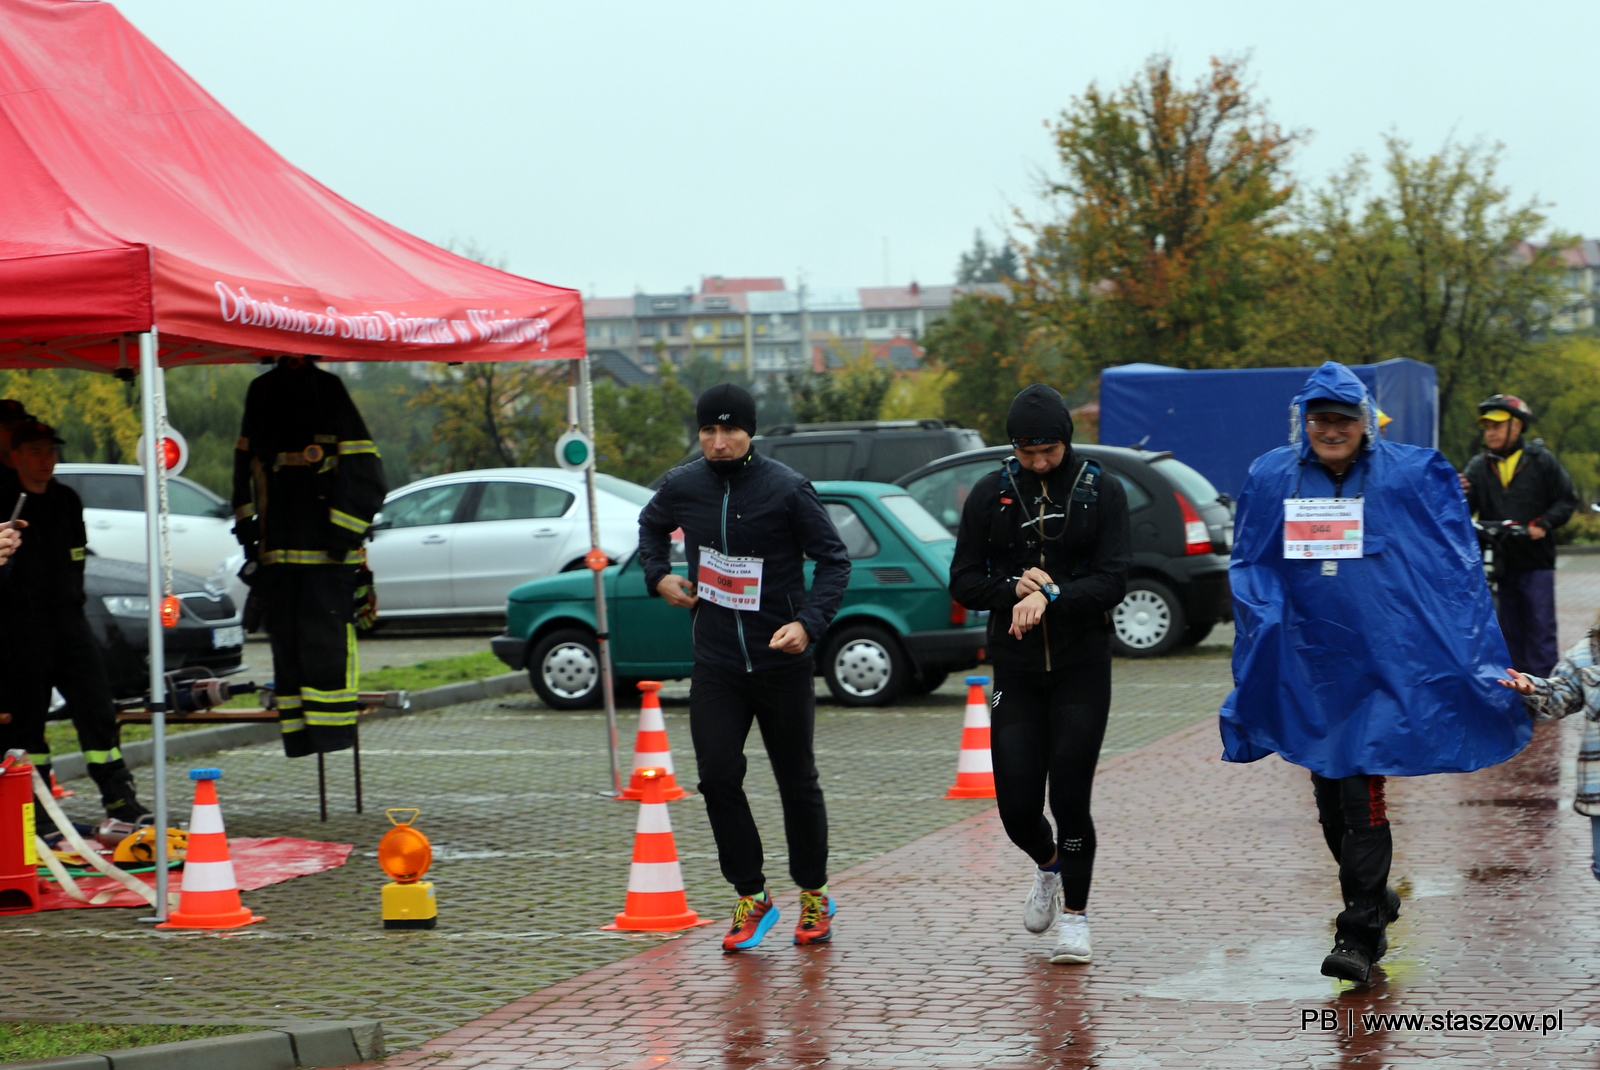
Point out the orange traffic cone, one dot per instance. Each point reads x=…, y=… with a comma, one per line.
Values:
x=650, y=750
x=210, y=898
x=56, y=790
x=656, y=902
x=974, y=766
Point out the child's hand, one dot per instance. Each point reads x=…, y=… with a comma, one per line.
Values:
x=1518, y=683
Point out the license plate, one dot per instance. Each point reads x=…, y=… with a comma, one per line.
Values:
x=223, y=637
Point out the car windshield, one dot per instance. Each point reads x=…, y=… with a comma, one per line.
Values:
x=628, y=492
x=1196, y=487
x=917, y=520
x=944, y=493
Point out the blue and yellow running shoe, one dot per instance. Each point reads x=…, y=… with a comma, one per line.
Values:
x=752, y=918
x=816, y=918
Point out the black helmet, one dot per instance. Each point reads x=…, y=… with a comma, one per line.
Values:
x=1507, y=403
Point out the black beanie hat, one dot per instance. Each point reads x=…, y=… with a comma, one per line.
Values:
x=1039, y=413
x=727, y=403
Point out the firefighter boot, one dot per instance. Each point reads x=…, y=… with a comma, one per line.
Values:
x=117, y=791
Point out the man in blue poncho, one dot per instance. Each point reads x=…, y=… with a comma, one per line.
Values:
x=1366, y=639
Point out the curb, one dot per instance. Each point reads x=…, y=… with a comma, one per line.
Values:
x=1580, y=549
x=291, y=1047
x=223, y=736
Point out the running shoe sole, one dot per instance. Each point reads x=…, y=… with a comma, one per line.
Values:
x=768, y=920
x=1072, y=960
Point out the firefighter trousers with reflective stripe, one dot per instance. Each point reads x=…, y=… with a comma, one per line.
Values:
x=64, y=655
x=310, y=620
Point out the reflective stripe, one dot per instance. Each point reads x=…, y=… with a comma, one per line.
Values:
x=312, y=557
x=205, y=817
x=292, y=724
x=655, y=877
x=101, y=757
x=358, y=445
x=345, y=520
x=653, y=818
x=974, y=761
x=208, y=877
x=244, y=511
x=289, y=702
x=308, y=695
x=330, y=719
x=77, y=553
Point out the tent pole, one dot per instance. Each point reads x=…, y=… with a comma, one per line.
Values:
x=149, y=384
x=602, y=628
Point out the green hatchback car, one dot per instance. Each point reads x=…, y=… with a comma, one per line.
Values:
x=897, y=633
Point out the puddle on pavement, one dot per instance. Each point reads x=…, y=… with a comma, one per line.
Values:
x=1275, y=970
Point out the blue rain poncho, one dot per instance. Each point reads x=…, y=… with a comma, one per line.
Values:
x=1388, y=665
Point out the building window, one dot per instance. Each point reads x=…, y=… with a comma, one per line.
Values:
x=622, y=332
x=849, y=325
x=649, y=330
x=702, y=329
x=675, y=329
x=819, y=323
x=591, y=330
x=732, y=329
x=877, y=320
x=904, y=320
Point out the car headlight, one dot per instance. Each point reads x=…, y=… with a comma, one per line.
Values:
x=127, y=605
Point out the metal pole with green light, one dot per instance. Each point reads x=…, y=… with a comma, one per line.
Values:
x=575, y=452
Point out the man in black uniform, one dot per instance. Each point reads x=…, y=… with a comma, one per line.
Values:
x=1517, y=480
x=1044, y=546
x=50, y=643
x=306, y=483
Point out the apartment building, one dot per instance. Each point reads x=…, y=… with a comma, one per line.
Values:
x=761, y=325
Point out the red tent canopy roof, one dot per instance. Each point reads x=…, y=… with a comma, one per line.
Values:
x=130, y=198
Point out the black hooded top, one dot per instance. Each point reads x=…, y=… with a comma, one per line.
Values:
x=1084, y=545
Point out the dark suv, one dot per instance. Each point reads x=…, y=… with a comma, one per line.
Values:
x=878, y=451
x=1182, y=533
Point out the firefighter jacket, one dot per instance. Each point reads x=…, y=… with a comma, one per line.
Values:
x=306, y=476
x=46, y=583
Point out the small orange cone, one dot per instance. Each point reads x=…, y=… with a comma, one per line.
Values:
x=650, y=749
x=656, y=902
x=210, y=898
x=974, y=766
x=56, y=790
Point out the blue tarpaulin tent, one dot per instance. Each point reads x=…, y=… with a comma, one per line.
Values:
x=1219, y=420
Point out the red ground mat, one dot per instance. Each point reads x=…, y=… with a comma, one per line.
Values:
x=257, y=862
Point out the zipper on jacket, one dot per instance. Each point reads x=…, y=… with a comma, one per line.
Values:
x=738, y=621
x=1044, y=625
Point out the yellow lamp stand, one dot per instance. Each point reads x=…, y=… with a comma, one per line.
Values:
x=409, y=906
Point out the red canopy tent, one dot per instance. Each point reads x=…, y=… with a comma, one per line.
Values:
x=130, y=199
x=135, y=208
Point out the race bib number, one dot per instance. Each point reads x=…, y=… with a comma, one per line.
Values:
x=732, y=582
x=1321, y=528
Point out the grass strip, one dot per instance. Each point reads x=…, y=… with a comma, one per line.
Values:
x=48, y=1040
x=433, y=673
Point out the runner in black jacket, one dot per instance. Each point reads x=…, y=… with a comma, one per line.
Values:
x=1044, y=547
x=755, y=663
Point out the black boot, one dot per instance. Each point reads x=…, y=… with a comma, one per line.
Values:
x=1391, y=911
x=117, y=792
x=1348, y=962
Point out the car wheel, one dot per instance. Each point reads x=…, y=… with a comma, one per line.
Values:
x=927, y=683
x=564, y=668
x=1148, y=622
x=1195, y=634
x=864, y=666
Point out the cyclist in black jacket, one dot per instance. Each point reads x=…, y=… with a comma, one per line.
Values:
x=1044, y=547
x=748, y=524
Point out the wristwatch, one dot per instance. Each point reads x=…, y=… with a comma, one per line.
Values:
x=1052, y=591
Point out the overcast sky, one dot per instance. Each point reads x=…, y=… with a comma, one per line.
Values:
x=615, y=147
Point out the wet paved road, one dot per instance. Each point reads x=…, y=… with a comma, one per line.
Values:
x=1212, y=911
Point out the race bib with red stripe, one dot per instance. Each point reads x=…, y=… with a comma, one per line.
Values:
x=1321, y=528
x=732, y=582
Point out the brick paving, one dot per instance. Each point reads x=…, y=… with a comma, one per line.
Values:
x=530, y=860
x=1212, y=910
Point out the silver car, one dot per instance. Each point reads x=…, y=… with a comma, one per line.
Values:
x=454, y=545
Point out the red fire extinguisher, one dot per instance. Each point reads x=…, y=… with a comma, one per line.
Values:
x=19, y=857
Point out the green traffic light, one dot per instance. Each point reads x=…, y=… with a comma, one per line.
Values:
x=576, y=451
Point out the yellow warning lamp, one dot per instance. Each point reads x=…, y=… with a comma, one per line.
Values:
x=405, y=855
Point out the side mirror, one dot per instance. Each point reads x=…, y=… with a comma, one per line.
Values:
x=378, y=524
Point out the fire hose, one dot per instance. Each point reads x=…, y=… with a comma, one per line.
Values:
x=41, y=792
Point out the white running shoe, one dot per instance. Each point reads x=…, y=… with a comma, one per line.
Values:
x=1044, y=901
x=1072, y=939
